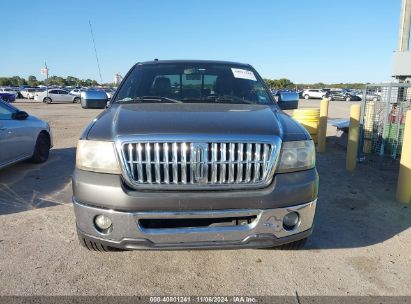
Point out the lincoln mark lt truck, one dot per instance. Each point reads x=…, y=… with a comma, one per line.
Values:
x=194, y=154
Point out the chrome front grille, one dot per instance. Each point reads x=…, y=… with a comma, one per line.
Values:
x=191, y=165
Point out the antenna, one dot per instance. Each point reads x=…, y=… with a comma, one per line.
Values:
x=95, y=51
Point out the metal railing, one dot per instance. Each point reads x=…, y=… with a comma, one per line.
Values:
x=382, y=122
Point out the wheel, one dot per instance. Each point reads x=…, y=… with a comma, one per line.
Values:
x=306, y=97
x=294, y=245
x=77, y=100
x=92, y=245
x=42, y=148
x=47, y=100
x=348, y=99
x=375, y=99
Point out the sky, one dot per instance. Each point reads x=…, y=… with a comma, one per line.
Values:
x=306, y=41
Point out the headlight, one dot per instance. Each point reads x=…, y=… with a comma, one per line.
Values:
x=97, y=156
x=296, y=156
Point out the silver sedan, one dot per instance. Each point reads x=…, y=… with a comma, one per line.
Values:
x=56, y=95
x=22, y=137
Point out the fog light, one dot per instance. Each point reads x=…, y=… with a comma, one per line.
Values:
x=102, y=222
x=291, y=220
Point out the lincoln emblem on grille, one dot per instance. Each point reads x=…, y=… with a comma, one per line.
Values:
x=199, y=164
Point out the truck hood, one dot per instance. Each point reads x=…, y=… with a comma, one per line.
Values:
x=200, y=119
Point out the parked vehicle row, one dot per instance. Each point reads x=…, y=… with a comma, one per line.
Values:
x=31, y=92
x=343, y=95
x=332, y=94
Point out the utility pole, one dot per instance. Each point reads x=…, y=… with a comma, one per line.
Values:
x=405, y=22
x=402, y=57
x=95, y=52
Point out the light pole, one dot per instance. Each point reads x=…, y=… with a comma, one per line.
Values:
x=45, y=71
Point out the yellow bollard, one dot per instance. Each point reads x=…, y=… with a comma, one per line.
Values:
x=309, y=119
x=322, y=127
x=353, y=135
x=404, y=177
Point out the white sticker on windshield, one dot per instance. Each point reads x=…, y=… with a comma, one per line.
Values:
x=244, y=74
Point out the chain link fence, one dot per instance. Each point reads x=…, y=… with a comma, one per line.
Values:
x=384, y=107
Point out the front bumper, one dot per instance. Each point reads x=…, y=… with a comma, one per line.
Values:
x=126, y=233
x=108, y=191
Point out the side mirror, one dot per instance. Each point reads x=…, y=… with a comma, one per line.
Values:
x=20, y=115
x=93, y=99
x=288, y=100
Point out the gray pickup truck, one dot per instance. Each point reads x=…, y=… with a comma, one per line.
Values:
x=194, y=154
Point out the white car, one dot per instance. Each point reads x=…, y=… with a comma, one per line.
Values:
x=56, y=95
x=76, y=92
x=28, y=93
x=313, y=93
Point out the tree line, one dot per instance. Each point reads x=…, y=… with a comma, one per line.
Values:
x=274, y=84
x=53, y=80
x=286, y=84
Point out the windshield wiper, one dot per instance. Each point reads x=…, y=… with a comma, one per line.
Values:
x=148, y=99
x=219, y=99
x=230, y=99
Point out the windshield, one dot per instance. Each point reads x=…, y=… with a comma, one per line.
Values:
x=193, y=83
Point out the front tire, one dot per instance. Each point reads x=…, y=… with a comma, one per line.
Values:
x=77, y=100
x=42, y=149
x=47, y=100
x=306, y=97
x=348, y=99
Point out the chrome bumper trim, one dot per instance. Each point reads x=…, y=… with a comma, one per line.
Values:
x=127, y=233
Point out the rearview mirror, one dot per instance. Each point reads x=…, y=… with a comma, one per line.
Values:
x=20, y=115
x=93, y=99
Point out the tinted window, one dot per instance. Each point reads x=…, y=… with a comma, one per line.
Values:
x=194, y=82
x=53, y=92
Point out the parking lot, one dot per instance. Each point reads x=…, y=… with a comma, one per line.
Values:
x=360, y=245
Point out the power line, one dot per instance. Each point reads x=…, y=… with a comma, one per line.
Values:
x=95, y=51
